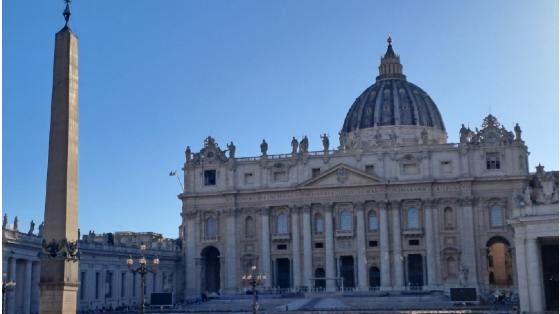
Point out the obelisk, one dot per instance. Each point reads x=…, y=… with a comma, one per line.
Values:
x=59, y=256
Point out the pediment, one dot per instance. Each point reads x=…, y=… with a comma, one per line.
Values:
x=342, y=175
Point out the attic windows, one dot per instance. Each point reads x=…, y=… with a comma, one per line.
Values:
x=369, y=169
x=493, y=161
x=280, y=176
x=410, y=168
x=209, y=177
x=445, y=167
x=315, y=172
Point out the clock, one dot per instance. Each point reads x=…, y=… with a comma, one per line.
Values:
x=491, y=135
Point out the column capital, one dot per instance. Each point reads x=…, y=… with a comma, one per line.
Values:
x=264, y=211
x=382, y=204
x=467, y=200
x=430, y=202
x=396, y=204
x=191, y=214
x=295, y=209
x=328, y=207
x=231, y=212
x=359, y=205
x=306, y=208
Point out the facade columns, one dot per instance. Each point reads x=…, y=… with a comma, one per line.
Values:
x=35, y=291
x=10, y=297
x=265, y=238
x=296, y=263
x=361, y=242
x=329, y=245
x=534, y=281
x=429, y=205
x=231, y=249
x=27, y=288
x=522, y=282
x=397, y=244
x=468, y=241
x=191, y=273
x=307, y=254
x=384, y=245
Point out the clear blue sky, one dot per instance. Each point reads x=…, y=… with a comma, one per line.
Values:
x=156, y=76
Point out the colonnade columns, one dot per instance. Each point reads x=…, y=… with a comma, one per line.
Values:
x=231, y=249
x=191, y=273
x=534, y=281
x=265, y=238
x=429, y=204
x=307, y=255
x=468, y=241
x=397, y=244
x=296, y=263
x=11, y=298
x=35, y=291
x=361, y=260
x=27, y=288
x=384, y=245
x=329, y=245
x=522, y=282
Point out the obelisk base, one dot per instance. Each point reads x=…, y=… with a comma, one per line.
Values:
x=57, y=298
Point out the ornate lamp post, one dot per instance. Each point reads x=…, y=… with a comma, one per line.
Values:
x=142, y=270
x=254, y=279
x=7, y=286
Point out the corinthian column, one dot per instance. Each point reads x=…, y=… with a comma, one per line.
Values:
x=429, y=204
x=361, y=242
x=384, y=245
x=397, y=244
x=27, y=288
x=296, y=264
x=307, y=255
x=265, y=238
x=522, y=282
x=535, y=279
x=190, y=255
x=468, y=241
x=329, y=245
x=231, y=256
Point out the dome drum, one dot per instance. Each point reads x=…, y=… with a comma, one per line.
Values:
x=391, y=136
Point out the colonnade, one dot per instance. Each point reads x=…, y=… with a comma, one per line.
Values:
x=25, y=297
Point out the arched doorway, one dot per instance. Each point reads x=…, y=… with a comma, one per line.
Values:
x=211, y=271
x=320, y=273
x=499, y=262
x=374, y=277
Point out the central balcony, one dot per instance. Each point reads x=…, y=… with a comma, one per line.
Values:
x=281, y=237
x=210, y=239
x=344, y=234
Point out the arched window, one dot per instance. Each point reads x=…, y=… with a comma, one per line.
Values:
x=451, y=266
x=345, y=223
x=496, y=216
x=249, y=226
x=210, y=227
x=448, y=217
x=412, y=218
x=372, y=220
x=319, y=223
x=282, y=223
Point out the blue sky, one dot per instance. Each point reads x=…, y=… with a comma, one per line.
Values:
x=156, y=76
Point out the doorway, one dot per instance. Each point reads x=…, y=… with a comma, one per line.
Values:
x=415, y=270
x=211, y=257
x=550, y=273
x=283, y=272
x=347, y=270
x=374, y=277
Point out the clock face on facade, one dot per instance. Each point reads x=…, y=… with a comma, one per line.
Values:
x=491, y=134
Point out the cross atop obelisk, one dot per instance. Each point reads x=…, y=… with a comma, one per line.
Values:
x=59, y=255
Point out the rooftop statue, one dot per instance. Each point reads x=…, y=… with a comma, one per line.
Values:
x=264, y=147
x=517, y=130
x=325, y=139
x=5, y=222
x=31, y=227
x=295, y=145
x=188, y=154
x=231, y=150
x=16, y=224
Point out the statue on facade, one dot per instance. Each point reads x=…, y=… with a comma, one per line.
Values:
x=378, y=138
x=342, y=139
x=295, y=145
x=264, y=147
x=16, y=224
x=41, y=226
x=325, y=139
x=5, y=222
x=167, y=281
x=231, y=150
x=31, y=227
x=517, y=130
x=527, y=196
x=304, y=145
x=424, y=136
x=463, y=134
x=188, y=154
x=393, y=137
x=515, y=199
x=357, y=143
x=463, y=274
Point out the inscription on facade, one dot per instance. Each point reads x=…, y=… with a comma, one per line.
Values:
x=372, y=191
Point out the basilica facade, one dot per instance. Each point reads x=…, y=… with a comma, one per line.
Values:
x=392, y=206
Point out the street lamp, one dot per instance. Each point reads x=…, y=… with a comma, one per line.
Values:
x=7, y=286
x=254, y=279
x=142, y=270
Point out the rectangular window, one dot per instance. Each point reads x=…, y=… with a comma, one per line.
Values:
x=248, y=178
x=315, y=172
x=280, y=176
x=96, y=286
x=282, y=247
x=446, y=167
x=493, y=161
x=413, y=242
x=318, y=245
x=410, y=169
x=319, y=225
x=372, y=243
x=372, y=222
x=108, y=284
x=210, y=177
x=123, y=284
x=83, y=286
x=369, y=169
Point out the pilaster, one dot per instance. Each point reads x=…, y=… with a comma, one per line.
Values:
x=361, y=243
x=384, y=245
x=307, y=253
x=397, y=244
x=329, y=245
x=265, y=245
x=431, y=257
x=296, y=253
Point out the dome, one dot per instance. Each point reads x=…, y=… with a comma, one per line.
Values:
x=392, y=101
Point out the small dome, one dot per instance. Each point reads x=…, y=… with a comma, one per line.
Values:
x=392, y=101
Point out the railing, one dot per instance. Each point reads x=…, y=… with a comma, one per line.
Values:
x=344, y=233
x=281, y=236
x=209, y=239
x=413, y=231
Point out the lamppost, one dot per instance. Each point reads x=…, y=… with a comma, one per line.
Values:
x=142, y=270
x=7, y=286
x=254, y=279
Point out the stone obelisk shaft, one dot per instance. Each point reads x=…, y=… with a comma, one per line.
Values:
x=59, y=272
